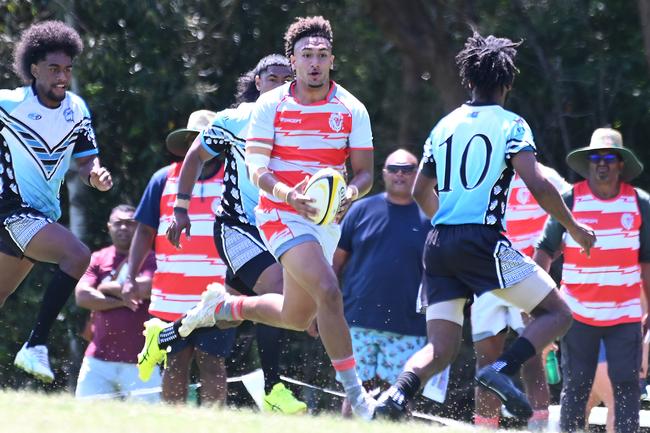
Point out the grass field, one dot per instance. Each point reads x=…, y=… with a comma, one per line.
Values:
x=25, y=412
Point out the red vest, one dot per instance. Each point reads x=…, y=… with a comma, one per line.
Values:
x=605, y=288
x=182, y=275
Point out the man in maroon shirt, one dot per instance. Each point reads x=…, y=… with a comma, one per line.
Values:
x=109, y=365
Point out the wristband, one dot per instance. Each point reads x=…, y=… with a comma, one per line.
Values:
x=182, y=203
x=90, y=184
x=354, y=192
x=281, y=191
x=182, y=196
x=180, y=209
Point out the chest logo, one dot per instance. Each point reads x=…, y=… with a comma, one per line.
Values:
x=336, y=122
x=627, y=220
x=523, y=196
x=34, y=116
x=68, y=115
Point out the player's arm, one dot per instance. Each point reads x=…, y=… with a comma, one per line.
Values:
x=525, y=164
x=424, y=193
x=362, y=163
x=195, y=157
x=258, y=156
x=93, y=174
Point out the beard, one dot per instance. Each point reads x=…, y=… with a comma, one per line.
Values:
x=53, y=96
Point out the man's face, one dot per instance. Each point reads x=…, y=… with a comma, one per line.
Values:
x=312, y=59
x=52, y=77
x=273, y=77
x=121, y=227
x=399, y=174
x=605, y=166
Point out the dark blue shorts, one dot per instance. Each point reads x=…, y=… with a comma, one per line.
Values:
x=242, y=249
x=463, y=260
x=213, y=341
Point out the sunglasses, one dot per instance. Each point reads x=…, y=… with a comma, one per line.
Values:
x=609, y=158
x=406, y=169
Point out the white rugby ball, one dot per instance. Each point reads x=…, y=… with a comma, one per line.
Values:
x=327, y=188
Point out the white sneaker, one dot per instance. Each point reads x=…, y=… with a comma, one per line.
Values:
x=363, y=406
x=34, y=360
x=205, y=314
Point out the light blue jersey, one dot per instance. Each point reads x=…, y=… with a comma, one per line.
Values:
x=36, y=146
x=226, y=136
x=468, y=152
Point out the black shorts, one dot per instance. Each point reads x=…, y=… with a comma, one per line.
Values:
x=463, y=260
x=242, y=249
x=18, y=225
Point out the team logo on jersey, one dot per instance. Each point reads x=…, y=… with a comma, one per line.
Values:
x=336, y=122
x=67, y=113
x=627, y=220
x=34, y=116
x=523, y=196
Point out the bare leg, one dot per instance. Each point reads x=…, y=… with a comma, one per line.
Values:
x=213, y=378
x=13, y=271
x=487, y=405
x=176, y=376
x=56, y=244
x=441, y=350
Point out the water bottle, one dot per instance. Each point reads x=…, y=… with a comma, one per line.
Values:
x=552, y=369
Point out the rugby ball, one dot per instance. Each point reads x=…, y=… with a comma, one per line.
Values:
x=327, y=188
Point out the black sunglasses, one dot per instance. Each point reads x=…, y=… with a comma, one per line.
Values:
x=609, y=158
x=406, y=169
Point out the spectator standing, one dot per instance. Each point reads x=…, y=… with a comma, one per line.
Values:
x=110, y=362
x=604, y=289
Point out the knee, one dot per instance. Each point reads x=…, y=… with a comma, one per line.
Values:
x=76, y=260
x=565, y=317
x=298, y=322
x=329, y=294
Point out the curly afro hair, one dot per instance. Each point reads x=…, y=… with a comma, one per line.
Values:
x=39, y=40
x=487, y=63
x=304, y=27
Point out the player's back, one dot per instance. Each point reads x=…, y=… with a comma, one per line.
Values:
x=470, y=148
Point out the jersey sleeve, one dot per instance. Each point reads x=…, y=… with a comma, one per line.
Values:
x=91, y=276
x=361, y=135
x=217, y=137
x=551, y=239
x=428, y=163
x=85, y=143
x=148, y=211
x=261, y=129
x=519, y=138
x=644, y=231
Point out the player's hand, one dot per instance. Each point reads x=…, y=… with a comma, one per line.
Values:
x=301, y=202
x=100, y=178
x=180, y=221
x=584, y=236
x=345, y=204
x=130, y=294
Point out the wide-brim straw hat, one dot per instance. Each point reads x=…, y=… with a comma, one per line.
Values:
x=179, y=141
x=605, y=139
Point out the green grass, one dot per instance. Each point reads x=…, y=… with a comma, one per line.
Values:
x=27, y=412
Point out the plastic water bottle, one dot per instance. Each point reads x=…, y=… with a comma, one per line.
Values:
x=552, y=369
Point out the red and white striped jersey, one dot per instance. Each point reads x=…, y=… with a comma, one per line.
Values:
x=525, y=217
x=605, y=288
x=304, y=138
x=182, y=275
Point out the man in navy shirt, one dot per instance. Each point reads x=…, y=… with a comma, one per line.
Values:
x=379, y=258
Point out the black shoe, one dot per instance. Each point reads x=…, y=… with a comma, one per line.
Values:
x=514, y=400
x=389, y=409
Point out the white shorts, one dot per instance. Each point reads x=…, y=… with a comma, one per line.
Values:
x=491, y=315
x=282, y=230
x=107, y=379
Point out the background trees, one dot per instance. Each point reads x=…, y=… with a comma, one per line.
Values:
x=148, y=64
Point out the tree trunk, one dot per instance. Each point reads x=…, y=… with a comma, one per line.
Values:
x=644, y=15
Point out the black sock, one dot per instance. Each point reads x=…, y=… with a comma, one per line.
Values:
x=169, y=334
x=510, y=361
x=405, y=388
x=56, y=294
x=270, y=343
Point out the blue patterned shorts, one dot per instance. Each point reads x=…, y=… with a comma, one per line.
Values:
x=382, y=354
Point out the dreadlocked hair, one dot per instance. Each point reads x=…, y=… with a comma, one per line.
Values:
x=39, y=40
x=246, y=89
x=304, y=27
x=487, y=63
